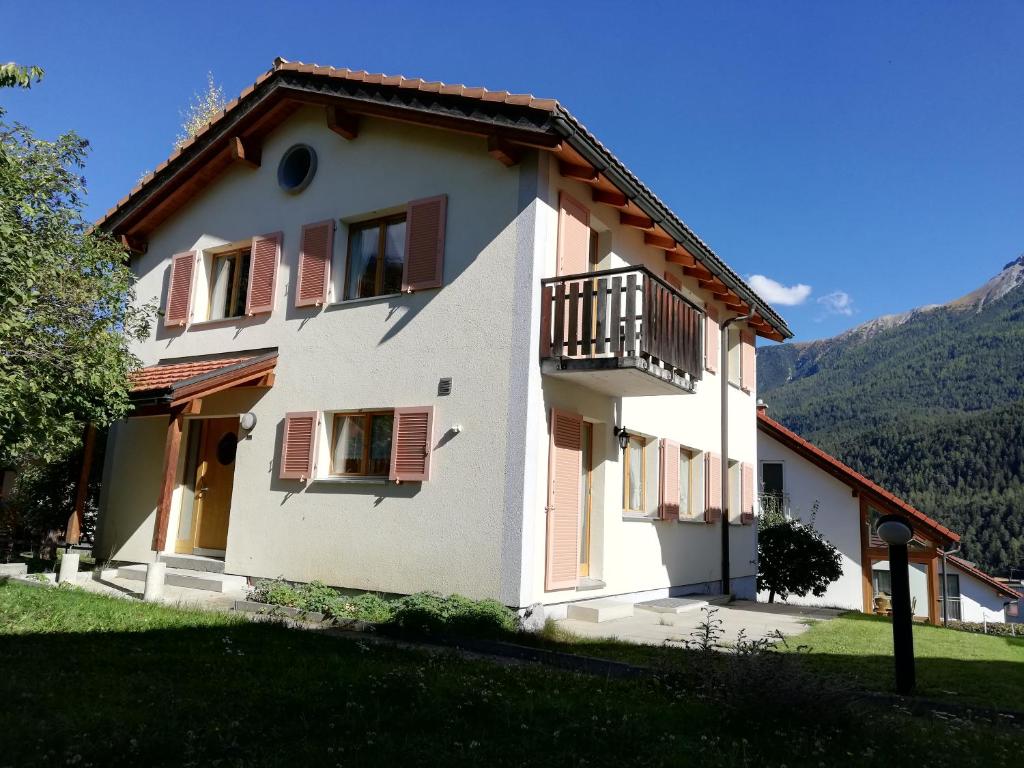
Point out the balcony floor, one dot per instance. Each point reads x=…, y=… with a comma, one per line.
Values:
x=618, y=376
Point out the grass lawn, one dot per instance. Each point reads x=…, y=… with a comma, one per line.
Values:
x=954, y=665
x=92, y=680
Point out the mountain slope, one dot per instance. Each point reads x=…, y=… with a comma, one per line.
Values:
x=929, y=403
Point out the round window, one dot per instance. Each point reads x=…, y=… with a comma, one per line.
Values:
x=297, y=168
x=227, y=447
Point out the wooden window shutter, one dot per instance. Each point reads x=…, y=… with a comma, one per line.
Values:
x=748, y=359
x=298, y=447
x=424, y=243
x=314, y=264
x=573, y=235
x=411, y=444
x=668, y=487
x=179, y=289
x=266, y=253
x=712, y=338
x=713, y=488
x=565, y=462
x=747, y=493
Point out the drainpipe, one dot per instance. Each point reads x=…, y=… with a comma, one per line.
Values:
x=945, y=596
x=726, y=501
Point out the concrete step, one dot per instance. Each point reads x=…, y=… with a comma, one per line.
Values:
x=682, y=604
x=596, y=611
x=13, y=569
x=180, y=577
x=193, y=563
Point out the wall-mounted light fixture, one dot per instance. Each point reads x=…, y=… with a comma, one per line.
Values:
x=247, y=421
x=623, y=436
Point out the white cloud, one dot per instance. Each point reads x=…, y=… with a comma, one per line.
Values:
x=837, y=303
x=776, y=293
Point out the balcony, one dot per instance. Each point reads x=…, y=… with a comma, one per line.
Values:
x=623, y=332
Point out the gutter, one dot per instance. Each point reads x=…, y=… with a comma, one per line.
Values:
x=606, y=163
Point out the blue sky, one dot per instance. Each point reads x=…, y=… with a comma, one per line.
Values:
x=872, y=154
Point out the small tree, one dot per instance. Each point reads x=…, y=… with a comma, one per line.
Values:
x=16, y=76
x=201, y=111
x=794, y=558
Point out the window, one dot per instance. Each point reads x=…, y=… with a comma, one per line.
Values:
x=735, y=356
x=635, y=476
x=881, y=581
x=229, y=282
x=687, y=465
x=361, y=444
x=772, y=481
x=376, y=257
x=953, y=592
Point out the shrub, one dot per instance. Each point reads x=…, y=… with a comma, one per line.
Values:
x=275, y=592
x=366, y=607
x=429, y=612
x=793, y=557
x=991, y=628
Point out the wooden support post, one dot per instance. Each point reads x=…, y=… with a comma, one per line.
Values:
x=172, y=448
x=342, y=122
x=77, y=519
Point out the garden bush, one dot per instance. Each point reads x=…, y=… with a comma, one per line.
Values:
x=992, y=628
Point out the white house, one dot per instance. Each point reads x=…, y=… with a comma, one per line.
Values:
x=405, y=326
x=809, y=483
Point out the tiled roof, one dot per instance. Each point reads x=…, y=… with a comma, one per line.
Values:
x=167, y=375
x=979, y=574
x=846, y=474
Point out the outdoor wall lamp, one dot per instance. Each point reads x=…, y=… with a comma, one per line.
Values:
x=897, y=533
x=623, y=435
x=247, y=421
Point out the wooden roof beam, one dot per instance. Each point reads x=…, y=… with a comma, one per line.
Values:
x=609, y=197
x=579, y=172
x=699, y=271
x=659, y=241
x=342, y=122
x=634, y=220
x=503, y=151
x=247, y=151
x=136, y=245
x=677, y=256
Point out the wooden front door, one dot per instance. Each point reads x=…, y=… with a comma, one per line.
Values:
x=215, y=474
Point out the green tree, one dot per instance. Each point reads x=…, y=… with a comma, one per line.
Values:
x=794, y=558
x=203, y=108
x=14, y=75
x=67, y=309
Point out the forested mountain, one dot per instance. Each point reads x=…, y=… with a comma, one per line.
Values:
x=929, y=403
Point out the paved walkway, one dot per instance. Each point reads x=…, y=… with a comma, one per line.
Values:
x=756, y=619
x=175, y=596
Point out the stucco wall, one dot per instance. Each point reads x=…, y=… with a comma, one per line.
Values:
x=448, y=533
x=837, y=518
x=978, y=601
x=632, y=555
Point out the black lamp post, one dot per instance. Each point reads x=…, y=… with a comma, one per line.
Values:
x=897, y=533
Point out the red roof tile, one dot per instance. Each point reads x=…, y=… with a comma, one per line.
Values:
x=166, y=375
x=979, y=574
x=846, y=474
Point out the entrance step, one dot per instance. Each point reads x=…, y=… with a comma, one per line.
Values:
x=682, y=604
x=193, y=563
x=181, y=577
x=596, y=611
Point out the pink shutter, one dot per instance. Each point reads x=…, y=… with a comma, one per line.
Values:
x=298, y=447
x=573, y=235
x=711, y=339
x=747, y=361
x=314, y=264
x=668, y=491
x=713, y=491
x=266, y=253
x=179, y=289
x=411, y=443
x=565, y=463
x=424, y=243
x=747, y=492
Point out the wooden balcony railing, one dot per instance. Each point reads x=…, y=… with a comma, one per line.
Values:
x=622, y=313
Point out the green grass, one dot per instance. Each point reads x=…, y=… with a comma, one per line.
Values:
x=92, y=680
x=958, y=666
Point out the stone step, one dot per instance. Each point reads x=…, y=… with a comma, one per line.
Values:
x=682, y=604
x=596, y=611
x=193, y=563
x=180, y=577
x=13, y=569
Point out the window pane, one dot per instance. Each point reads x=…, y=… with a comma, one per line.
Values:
x=636, y=474
x=882, y=581
x=394, y=257
x=362, y=262
x=242, y=283
x=381, y=428
x=684, y=483
x=771, y=477
x=220, y=293
x=349, y=437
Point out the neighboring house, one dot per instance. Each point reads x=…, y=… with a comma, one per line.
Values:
x=845, y=505
x=404, y=327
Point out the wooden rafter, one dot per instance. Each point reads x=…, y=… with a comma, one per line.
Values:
x=682, y=258
x=135, y=244
x=503, y=151
x=342, y=122
x=609, y=197
x=247, y=151
x=574, y=171
x=638, y=221
x=659, y=241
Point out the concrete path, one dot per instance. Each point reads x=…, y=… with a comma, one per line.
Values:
x=757, y=619
x=108, y=584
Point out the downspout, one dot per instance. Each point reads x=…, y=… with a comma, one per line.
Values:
x=726, y=501
x=945, y=596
